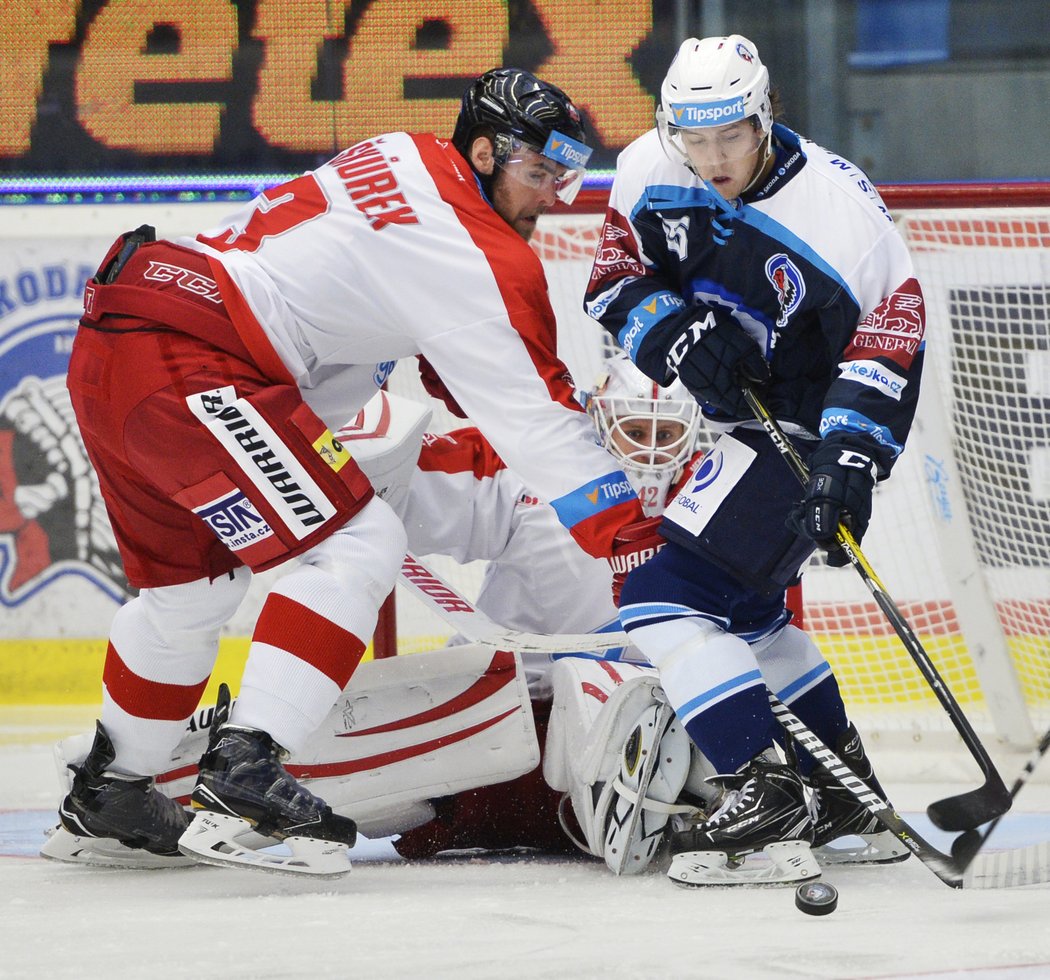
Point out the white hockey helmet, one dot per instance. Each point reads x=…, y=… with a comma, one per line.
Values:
x=713, y=82
x=651, y=430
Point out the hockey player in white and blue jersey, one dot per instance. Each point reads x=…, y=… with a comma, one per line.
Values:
x=736, y=252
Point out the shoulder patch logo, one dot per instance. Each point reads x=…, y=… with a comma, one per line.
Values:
x=787, y=280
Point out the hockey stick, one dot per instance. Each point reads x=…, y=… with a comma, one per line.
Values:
x=963, y=867
x=947, y=867
x=1020, y=866
x=439, y=596
x=969, y=810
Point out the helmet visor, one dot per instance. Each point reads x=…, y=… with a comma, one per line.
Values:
x=708, y=146
x=558, y=169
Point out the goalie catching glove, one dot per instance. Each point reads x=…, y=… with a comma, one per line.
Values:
x=633, y=546
x=714, y=357
x=841, y=480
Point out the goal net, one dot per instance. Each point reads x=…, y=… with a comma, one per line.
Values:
x=961, y=533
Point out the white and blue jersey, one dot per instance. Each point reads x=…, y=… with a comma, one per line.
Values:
x=809, y=264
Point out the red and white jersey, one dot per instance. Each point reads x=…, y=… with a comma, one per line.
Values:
x=390, y=250
x=464, y=502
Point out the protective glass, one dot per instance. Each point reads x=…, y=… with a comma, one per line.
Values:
x=547, y=171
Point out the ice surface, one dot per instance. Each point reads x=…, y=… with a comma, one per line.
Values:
x=475, y=918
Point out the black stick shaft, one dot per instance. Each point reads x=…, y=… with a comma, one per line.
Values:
x=970, y=810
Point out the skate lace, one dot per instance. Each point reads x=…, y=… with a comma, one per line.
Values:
x=735, y=799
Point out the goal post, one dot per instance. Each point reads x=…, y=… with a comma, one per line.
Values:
x=961, y=532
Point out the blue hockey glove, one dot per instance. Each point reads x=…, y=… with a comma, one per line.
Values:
x=713, y=359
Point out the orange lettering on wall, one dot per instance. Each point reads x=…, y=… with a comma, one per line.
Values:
x=592, y=65
x=25, y=31
x=382, y=53
x=115, y=57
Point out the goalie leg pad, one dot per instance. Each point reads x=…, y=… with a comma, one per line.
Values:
x=617, y=750
x=405, y=731
x=653, y=769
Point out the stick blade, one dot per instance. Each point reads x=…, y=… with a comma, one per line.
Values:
x=968, y=811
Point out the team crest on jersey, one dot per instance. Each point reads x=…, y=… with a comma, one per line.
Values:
x=53, y=524
x=787, y=280
x=676, y=231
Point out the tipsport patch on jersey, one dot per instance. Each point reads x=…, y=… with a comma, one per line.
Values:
x=593, y=498
x=262, y=456
x=713, y=480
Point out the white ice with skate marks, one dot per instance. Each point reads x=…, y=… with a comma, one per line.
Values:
x=475, y=918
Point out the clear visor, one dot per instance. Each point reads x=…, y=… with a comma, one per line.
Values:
x=538, y=172
x=710, y=146
x=652, y=435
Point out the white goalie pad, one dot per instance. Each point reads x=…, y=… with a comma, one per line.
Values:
x=615, y=747
x=405, y=730
x=384, y=439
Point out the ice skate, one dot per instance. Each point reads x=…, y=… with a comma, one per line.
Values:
x=841, y=820
x=761, y=833
x=114, y=820
x=246, y=801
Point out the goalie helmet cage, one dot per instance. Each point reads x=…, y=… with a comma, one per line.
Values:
x=961, y=533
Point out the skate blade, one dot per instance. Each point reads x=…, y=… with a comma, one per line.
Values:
x=105, y=852
x=219, y=840
x=881, y=848
x=781, y=863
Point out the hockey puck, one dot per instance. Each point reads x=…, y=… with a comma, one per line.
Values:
x=816, y=898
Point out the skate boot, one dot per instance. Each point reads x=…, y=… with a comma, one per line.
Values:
x=761, y=833
x=840, y=815
x=114, y=820
x=245, y=799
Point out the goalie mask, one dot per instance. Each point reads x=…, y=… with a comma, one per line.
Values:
x=651, y=430
x=712, y=86
x=536, y=131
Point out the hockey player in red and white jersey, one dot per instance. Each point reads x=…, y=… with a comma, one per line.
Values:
x=448, y=777
x=207, y=376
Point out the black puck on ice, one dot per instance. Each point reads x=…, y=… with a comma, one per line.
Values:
x=816, y=898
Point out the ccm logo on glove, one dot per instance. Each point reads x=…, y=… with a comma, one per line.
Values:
x=839, y=491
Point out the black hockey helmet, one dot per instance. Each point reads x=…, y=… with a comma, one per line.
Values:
x=516, y=102
x=516, y=108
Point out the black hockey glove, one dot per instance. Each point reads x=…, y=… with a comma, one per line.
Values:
x=841, y=480
x=713, y=359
